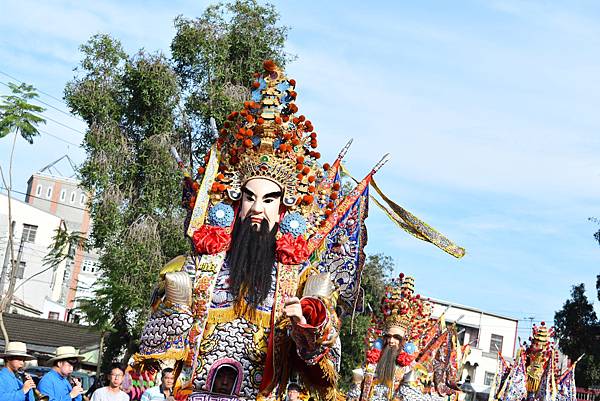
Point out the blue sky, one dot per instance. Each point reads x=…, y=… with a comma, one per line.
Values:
x=489, y=109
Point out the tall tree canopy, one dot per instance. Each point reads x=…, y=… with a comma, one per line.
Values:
x=136, y=107
x=577, y=329
x=215, y=57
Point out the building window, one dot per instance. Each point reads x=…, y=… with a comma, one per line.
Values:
x=468, y=335
x=29, y=232
x=73, y=197
x=82, y=200
x=488, y=379
x=496, y=343
x=38, y=190
x=21, y=270
x=49, y=193
x=53, y=315
x=63, y=195
x=89, y=266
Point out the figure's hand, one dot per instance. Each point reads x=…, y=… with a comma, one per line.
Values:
x=293, y=310
x=28, y=385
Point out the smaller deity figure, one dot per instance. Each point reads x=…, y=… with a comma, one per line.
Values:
x=411, y=356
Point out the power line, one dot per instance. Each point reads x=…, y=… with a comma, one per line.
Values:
x=59, y=138
x=39, y=90
x=44, y=199
x=50, y=118
x=59, y=123
x=51, y=106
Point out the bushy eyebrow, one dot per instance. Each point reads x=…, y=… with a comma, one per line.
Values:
x=276, y=194
x=247, y=192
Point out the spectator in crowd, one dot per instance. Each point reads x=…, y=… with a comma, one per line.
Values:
x=293, y=392
x=112, y=392
x=55, y=383
x=164, y=391
x=12, y=388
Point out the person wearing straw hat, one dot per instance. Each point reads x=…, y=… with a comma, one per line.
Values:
x=11, y=386
x=55, y=383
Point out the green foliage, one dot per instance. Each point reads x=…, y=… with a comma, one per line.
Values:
x=376, y=272
x=128, y=103
x=136, y=108
x=577, y=328
x=18, y=115
x=215, y=57
x=64, y=245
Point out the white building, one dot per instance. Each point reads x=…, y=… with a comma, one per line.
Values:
x=38, y=287
x=487, y=333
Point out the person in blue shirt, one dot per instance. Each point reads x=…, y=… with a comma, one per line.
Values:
x=55, y=383
x=12, y=388
x=164, y=391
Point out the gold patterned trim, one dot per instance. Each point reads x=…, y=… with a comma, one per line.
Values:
x=223, y=315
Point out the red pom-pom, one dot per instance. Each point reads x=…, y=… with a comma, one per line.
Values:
x=269, y=65
x=211, y=240
x=290, y=250
x=373, y=355
x=308, y=199
x=326, y=166
x=405, y=359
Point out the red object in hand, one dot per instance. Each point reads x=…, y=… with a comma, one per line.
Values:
x=290, y=250
x=209, y=240
x=313, y=311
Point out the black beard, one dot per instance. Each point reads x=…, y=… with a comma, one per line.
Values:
x=251, y=258
x=386, y=366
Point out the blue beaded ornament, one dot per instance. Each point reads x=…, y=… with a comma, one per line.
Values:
x=293, y=223
x=220, y=215
x=410, y=348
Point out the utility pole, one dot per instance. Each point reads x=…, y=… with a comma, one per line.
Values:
x=6, y=258
x=13, y=275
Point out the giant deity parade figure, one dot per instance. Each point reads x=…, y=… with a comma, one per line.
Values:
x=277, y=250
x=410, y=356
x=535, y=374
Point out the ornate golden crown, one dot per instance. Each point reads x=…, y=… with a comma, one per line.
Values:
x=267, y=140
x=403, y=308
x=541, y=333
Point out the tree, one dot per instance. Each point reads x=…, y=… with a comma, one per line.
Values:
x=576, y=326
x=376, y=273
x=19, y=116
x=136, y=107
x=215, y=57
x=128, y=103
